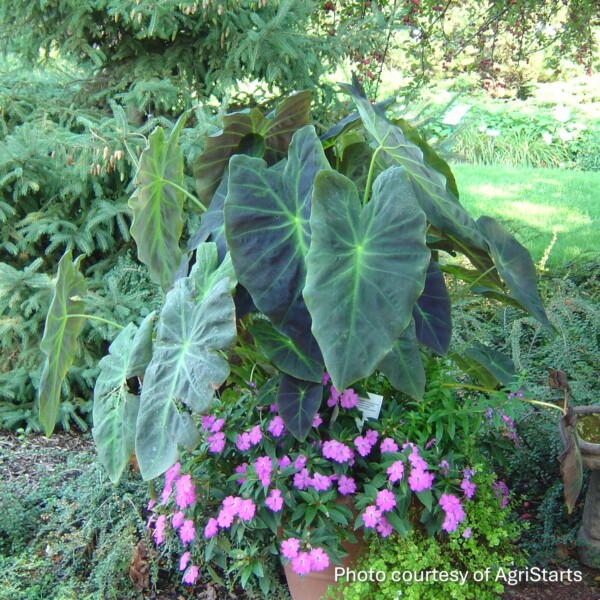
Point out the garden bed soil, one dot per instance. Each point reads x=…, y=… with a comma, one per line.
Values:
x=27, y=458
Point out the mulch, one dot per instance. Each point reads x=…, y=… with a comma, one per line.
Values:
x=27, y=458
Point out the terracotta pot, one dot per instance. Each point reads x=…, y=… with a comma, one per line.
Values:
x=314, y=585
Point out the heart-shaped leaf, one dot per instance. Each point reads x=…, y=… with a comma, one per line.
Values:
x=516, y=267
x=365, y=270
x=431, y=187
x=487, y=365
x=157, y=204
x=59, y=342
x=430, y=156
x=297, y=403
x=267, y=230
x=186, y=369
x=275, y=132
x=433, y=312
x=284, y=353
x=403, y=365
x=115, y=407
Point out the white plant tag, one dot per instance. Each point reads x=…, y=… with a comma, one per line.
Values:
x=369, y=407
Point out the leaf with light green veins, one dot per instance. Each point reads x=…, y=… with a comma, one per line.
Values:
x=115, y=407
x=284, y=353
x=403, y=365
x=157, y=205
x=59, y=342
x=366, y=268
x=298, y=402
x=434, y=191
x=251, y=133
x=267, y=231
x=187, y=367
x=516, y=267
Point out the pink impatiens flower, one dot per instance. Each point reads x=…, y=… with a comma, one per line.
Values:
x=177, y=519
x=302, y=480
x=300, y=462
x=371, y=516
x=241, y=470
x=183, y=561
x=420, y=480
x=385, y=500
x=187, y=532
x=186, y=495
x=320, y=482
x=191, y=575
x=319, y=560
x=211, y=529
x=242, y=442
x=276, y=427
x=290, y=547
x=274, y=501
x=216, y=442
x=454, y=512
x=395, y=471
x=232, y=504
x=247, y=510
x=334, y=450
x=159, y=530
x=255, y=435
x=384, y=528
x=263, y=467
x=468, y=487
x=225, y=518
x=171, y=474
x=388, y=445
x=346, y=485
x=301, y=564
x=362, y=445
x=284, y=462
x=348, y=399
x=317, y=420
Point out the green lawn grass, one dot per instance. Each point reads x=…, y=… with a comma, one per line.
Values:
x=536, y=203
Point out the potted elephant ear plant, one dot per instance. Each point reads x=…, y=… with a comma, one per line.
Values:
x=314, y=255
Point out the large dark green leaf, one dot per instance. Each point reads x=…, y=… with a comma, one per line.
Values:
x=157, y=204
x=267, y=230
x=403, y=365
x=487, y=365
x=242, y=130
x=431, y=188
x=212, y=225
x=430, y=156
x=298, y=402
x=365, y=270
x=516, y=267
x=187, y=367
x=59, y=342
x=284, y=353
x=433, y=312
x=115, y=407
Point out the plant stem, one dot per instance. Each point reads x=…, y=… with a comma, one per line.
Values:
x=94, y=318
x=546, y=404
x=187, y=194
x=370, y=175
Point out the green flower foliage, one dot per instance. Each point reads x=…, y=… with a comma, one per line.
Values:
x=491, y=545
